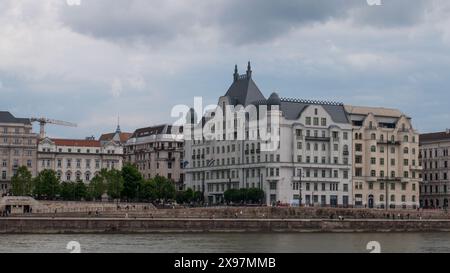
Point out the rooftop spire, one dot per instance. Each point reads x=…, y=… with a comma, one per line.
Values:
x=236, y=73
x=118, y=131
x=249, y=70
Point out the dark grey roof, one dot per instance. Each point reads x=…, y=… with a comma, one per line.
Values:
x=292, y=108
x=439, y=136
x=7, y=117
x=244, y=91
x=157, y=130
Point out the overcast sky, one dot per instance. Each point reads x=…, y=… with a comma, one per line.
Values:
x=91, y=62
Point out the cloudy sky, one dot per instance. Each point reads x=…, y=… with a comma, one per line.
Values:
x=91, y=62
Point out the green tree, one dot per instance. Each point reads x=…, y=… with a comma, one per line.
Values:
x=98, y=185
x=114, y=183
x=255, y=195
x=131, y=181
x=46, y=185
x=67, y=190
x=198, y=196
x=80, y=190
x=147, y=190
x=22, y=182
x=164, y=188
x=232, y=195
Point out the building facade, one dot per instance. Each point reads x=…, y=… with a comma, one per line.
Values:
x=157, y=150
x=434, y=156
x=386, y=169
x=310, y=163
x=18, y=146
x=78, y=159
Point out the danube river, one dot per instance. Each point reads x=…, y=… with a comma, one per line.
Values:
x=229, y=243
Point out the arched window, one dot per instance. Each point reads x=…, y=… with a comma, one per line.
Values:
x=382, y=137
x=360, y=136
x=88, y=176
x=78, y=176
x=405, y=139
x=356, y=136
x=373, y=136
x=68, y=176
x=406, y=150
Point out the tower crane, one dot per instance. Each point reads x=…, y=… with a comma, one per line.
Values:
x=43, y=121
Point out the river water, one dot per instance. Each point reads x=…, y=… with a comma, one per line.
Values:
x=229, y=243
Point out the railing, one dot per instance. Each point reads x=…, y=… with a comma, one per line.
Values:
x=314, y=138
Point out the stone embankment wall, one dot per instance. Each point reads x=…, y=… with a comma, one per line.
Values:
x=143, y=211
x=115, y=225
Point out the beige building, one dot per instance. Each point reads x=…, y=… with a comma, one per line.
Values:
x=17, y=148
x=386, y=169
x=435, y=188
x=78, y=159
x=157, y=150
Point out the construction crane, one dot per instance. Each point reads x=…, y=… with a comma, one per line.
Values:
x=44, y=121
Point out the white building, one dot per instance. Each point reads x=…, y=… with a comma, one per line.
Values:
x=78, y=159
x=312, y=157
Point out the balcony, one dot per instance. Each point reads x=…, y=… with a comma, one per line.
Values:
x=386, y=142
x=314, y=138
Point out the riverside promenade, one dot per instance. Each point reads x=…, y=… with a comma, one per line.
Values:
x=148, y=219
x=67, y=225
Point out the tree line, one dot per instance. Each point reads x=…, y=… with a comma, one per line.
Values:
x=125, y=184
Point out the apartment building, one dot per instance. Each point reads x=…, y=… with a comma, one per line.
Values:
x=310, y=163
x=157, y=150
x=18, y=145
x=386, y=170
x=434, y=156
x=78, y=159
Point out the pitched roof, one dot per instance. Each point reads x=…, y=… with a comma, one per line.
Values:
x=292, y=108
x=7, y=117
x=157, y=130
x=438, y=136
x=76, y=142
x=244, y=91
x=377, y=111
x=108, y=137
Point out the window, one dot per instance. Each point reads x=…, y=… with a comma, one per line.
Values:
x=323, y=122
x=316, y=121
x=308, y=121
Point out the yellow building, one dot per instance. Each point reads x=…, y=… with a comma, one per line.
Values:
x=386, y=169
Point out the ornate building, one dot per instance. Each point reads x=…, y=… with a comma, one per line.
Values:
x=157, y=150
x=310, y=162
x=386, y=169
x=17, y=148
x=78, y=159
x=434, y=156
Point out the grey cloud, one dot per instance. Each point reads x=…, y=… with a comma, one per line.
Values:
x=235, y=22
